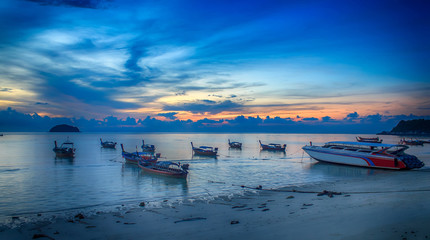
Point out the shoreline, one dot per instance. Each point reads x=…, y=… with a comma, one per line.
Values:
x=386, y=207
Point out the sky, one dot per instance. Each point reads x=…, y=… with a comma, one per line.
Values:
x=218, y=60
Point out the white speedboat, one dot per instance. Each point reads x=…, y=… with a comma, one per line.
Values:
x=363, y=154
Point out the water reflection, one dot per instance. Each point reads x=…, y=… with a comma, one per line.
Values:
x=197, y=156
x=130, y=168
x=271, y=154
x=164, y=181
x=64, y=160
x=338, y=170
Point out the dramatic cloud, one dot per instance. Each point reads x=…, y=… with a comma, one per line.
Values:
x=310, y=119
x=351, y=116
x=169, y=115
x=98, y=58
x=205, y=106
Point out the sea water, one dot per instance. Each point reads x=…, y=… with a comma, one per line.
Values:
x=34, y=182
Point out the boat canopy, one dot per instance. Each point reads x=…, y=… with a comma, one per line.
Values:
x=367, y=144
x=206, y=147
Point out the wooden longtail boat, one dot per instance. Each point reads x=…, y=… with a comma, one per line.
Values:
x=373, y=155
x=66, y=150
x=411, y=142
x=107, y=144
x=147, y=147
x=273, y=146
x=234, y=144
x=135, y=157
x=204, y=150
x=165, y=168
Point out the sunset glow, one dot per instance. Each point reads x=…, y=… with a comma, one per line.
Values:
x=190, y=60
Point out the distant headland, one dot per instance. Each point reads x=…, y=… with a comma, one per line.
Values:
x=410, y=127
x=64, y=128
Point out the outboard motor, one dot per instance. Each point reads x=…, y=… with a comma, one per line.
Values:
x=411, y=161
x=185, y=166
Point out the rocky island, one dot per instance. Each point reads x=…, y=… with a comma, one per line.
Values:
x=420, y=127
x=64, y=128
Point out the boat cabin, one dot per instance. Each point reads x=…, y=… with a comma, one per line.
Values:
x=367, y=147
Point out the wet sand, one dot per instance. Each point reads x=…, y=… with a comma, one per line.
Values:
x=391, y=206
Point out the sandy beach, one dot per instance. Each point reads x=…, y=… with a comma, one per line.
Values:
x=390, y=206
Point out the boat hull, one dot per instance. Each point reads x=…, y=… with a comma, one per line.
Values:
x=361, y=160
x=134, y=159
x=204, y=153
x=108, y=145
x=149, y=169
x=272, y=149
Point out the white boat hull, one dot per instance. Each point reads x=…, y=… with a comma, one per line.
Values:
x=354, y=159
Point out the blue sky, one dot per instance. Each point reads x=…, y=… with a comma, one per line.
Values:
x=215, y=59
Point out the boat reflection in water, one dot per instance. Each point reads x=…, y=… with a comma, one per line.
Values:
x=328, y=169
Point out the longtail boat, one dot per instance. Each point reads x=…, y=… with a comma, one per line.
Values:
x=66, y=150
x=107, y=144
x=411, y=142
x=204, y=150
x=373, y=155
x=234, y=144
x=370, y=140
x=135, y=157
x=165, y=168
x=273, y=146
x=147, y=147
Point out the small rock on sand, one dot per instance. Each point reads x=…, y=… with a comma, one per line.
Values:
x=234, y=222
x=35, y=236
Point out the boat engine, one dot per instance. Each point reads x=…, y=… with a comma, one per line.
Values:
x=411, y=161
x=185, y=166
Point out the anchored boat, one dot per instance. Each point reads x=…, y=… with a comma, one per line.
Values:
x=135, y=157
x=165, y=168
x=204, y=150
x=371, y=140
x=234, y=144
x=66, y=150
x=374, y=155
x=411, y=142
x=273, y=146
x=147, y=147
x=107, y=144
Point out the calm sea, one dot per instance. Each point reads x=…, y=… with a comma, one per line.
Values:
x=33, y=180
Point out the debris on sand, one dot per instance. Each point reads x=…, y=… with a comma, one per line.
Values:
x=328, y=193
x=40, y=235
x=190, y=219
x=79, y=216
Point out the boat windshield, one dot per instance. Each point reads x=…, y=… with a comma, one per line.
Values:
x=367, y=147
